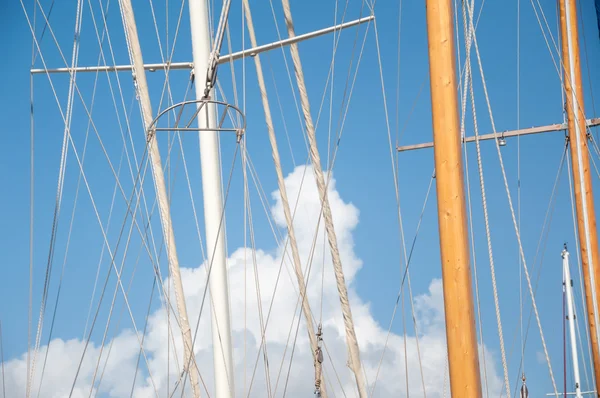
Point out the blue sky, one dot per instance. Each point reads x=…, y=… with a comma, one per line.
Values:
x=362, y=171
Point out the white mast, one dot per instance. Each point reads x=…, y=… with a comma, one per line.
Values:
x=568, y=286
x=213, y=206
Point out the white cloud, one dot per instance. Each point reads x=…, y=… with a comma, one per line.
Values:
x=117, y=378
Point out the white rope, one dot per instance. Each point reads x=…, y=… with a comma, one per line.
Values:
x=474, y=256
x=130, y=284
x=111, y=204
x=401, y=295
x=133, y=46
x=165, y=298
x=31, y=194
x=285, y=203
x=463, y=89
x=469, y=83
x=519, y=179
x=65, y=121
x=209, y=266
x=257, y=286
x=167, y=89
x=280, y=242
x=69, y=234
x=61, y=111
x=539, y=253
x=132, y=172
x=513, y=216
x=264, y=201
x=137, y=365
x=289, y=76
x=406, y=273
x=60, y=184
x=475, y=267
x=117, y=271
x=354, y=360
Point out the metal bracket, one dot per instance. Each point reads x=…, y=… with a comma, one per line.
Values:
x=224, y=112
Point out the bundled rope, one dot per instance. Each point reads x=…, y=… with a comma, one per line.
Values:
x=139, y=75
x=315, y=348
x=354, y=360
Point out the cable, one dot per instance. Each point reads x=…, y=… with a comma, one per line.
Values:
x=31, y=195
x=517, y=232
x=470, y=36
x=59, y=193
x=137, y=364
x=401, y=290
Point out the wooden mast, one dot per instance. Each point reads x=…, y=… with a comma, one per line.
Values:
x=463, y=357
x=584, y=201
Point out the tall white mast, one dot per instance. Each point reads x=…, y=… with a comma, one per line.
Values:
x=568, y=286
x=213, y=206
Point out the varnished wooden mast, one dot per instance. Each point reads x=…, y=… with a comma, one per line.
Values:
x=463, y=358
x=584, y=201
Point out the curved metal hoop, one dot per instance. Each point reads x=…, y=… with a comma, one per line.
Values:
x=228, y=110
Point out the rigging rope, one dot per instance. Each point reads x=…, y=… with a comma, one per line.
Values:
x=513, y=216
x=303, y=175
x=354, y=360
x=69, y=234
x=519, y=182
x=60, y=185
x=259, y=301
x=117, y=271
x=169, y=308
x=209, y=270
x=401, y=291
x=286, y=208
x=31, y=194
x=469, y=83
x=137, y=364
x=139, y=75
x=406, y=274
x=280, y=243
x=463, y=84
x=132, y=172
x=79, y=163
x=337, y=144
x=540, y=251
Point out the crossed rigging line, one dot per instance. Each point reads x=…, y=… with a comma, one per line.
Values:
x=59, y=193
x=469, y=83
x=468, y=79
x=407, y=255
x=37, y=44
x=517, y=231
x=540, y=250
x=338, y=140
x=257, y=358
